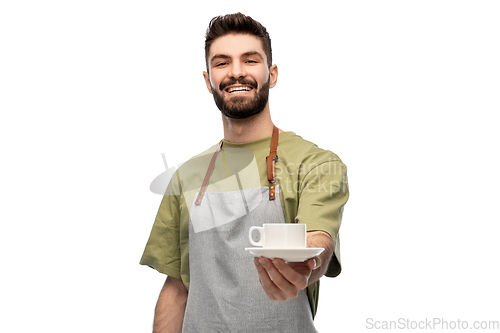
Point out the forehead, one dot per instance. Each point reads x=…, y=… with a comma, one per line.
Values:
x=235, y=45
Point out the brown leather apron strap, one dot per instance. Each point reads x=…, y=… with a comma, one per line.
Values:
x=271, y=163
x=210, y=169
x=271, y=168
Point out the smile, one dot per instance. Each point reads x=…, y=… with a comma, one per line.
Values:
x=238, y=89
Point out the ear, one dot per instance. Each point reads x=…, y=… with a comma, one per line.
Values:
x=207, y=81
x=273, y=76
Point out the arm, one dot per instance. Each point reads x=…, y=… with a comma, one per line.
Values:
x=324, y=240
x=282, y=280
x=169, y=311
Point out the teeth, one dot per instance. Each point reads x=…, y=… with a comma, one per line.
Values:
x=238, y=89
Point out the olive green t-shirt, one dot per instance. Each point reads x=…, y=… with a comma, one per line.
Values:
x=312, y=185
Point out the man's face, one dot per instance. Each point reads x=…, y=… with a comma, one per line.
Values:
x=238, y=77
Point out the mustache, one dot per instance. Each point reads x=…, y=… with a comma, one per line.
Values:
x=248, y=82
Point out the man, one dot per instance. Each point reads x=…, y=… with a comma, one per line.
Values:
x=257, y=174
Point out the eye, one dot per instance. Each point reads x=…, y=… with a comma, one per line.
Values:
x=251, y=61
x=221, y=64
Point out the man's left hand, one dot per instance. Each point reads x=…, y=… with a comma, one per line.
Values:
x=283, y=280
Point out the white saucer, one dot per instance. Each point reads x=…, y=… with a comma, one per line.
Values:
x=291, y=255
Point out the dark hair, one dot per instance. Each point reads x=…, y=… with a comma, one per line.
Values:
x=237, y=23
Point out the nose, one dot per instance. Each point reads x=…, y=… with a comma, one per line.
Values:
x=237, y=70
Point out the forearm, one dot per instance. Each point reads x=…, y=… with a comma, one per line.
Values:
x=169, y=311
x=324, y=240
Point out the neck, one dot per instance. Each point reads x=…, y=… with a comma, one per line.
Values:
x=252, y=128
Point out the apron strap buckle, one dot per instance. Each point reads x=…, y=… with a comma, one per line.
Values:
x=271, y=168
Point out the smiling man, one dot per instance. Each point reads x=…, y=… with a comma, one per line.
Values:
x=257, y=174
x=242, y=77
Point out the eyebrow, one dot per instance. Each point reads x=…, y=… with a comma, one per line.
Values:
x=246, y=54
x=219, y=56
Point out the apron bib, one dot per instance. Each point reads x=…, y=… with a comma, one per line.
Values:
x=225, y=294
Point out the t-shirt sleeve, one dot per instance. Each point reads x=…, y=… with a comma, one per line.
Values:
x=324, y=192
x=162, y=250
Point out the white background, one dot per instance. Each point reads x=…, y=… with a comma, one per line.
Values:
x=92, y=92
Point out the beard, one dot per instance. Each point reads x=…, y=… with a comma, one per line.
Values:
x=241, y=107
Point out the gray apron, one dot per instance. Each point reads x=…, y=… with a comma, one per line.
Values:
x=225, y=294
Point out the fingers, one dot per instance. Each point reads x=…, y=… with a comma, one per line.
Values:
x=269, y=279
x=265, y=280
x=296, y=276
x=281, y=281
x=314, y=263
x=317, y=262
x=286, y=281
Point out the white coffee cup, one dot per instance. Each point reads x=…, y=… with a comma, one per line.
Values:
x=280, y=236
